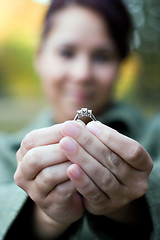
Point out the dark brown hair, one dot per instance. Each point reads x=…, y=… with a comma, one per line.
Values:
x=113, y=12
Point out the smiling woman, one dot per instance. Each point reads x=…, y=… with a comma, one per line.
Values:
x=85, y=61
x=87, y=54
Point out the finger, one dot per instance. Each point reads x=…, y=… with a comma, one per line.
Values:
x=41, y=137
x=50, y=177
x=85, y=185
x=128, y=149
x=124, y=173
x=41, y=157
x=66, y=201
x=87, y=140
x=120, y=168
x=58, y=196
x=100, y=175
x=64, y=191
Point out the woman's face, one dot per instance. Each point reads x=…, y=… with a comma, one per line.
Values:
x=78, y=63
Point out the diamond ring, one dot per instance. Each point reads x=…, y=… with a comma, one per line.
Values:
x=84, y=112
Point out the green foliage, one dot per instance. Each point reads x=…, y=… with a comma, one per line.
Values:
x=17, y=76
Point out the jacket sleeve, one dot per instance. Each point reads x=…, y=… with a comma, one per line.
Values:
x=11, y=197
x=152, y=145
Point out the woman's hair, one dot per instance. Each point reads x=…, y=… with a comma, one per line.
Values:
x=113, y=12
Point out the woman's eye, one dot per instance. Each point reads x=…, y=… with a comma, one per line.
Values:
x=101, y=58
x=67, y=53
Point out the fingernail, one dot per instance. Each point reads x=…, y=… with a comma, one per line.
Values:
x=68, y=145
x=74, y=171
x=93, y=128
x=70, y=129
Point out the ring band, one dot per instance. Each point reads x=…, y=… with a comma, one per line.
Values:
x=84, y=112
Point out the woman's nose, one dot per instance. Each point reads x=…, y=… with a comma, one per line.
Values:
x=82, y=69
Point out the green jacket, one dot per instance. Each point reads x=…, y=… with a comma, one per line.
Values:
x=14, y=201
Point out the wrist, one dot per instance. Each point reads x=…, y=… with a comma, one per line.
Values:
x=46, y=227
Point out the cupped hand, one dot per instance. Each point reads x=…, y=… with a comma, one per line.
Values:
x=109, y=169
x=42, y=173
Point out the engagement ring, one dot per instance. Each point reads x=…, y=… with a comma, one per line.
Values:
x=84, y=112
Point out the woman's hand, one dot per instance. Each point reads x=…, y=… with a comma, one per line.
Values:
x=42, y=173
x=109, y=169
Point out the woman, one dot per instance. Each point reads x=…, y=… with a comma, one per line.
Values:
x=86, y=180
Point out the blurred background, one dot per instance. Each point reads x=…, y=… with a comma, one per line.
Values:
x=21, y=97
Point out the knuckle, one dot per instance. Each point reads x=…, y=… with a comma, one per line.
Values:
x=48, y=176
x=63, y=191
x=88, y=190
x=136, y=151
x=32, y=157
x=143, y=187
x=110, y=134
x=140, y=190
x=29, y=141
x=60, y=193
x=60, y=190
x=107, y=182
x=18, y=178
x=96, y=196
x=87, y=141
x=115, y=160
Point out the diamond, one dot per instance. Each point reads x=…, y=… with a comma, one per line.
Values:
x=84, y=112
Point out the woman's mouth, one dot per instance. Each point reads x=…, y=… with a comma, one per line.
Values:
x=79, y=96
